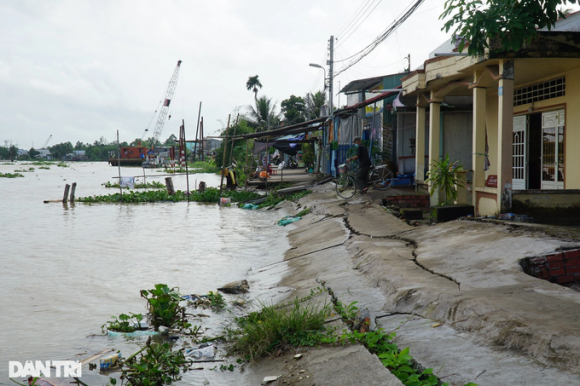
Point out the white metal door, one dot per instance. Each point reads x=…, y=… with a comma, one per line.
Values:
x=519, y=153
x=553, y=124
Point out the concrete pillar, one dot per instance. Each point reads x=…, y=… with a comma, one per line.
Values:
x=434, y=137
x=420, y=141
x=478, y=144
x=505, y=117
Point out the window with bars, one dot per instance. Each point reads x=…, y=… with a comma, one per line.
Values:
x=541, y=91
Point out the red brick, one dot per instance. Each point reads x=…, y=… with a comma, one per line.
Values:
x=556, y=272
x=566, y=279
x=572, y=262
x=538, y=259
x=390, y=198
x=407, y=197
x=555, y=257
x=572, y=254
x=556, y=264
x=570, y=270
x=413, y=205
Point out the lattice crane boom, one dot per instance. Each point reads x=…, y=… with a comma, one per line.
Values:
x=165, y=106
x=47, y=141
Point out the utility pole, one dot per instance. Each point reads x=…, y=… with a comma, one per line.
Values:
x=331, y=75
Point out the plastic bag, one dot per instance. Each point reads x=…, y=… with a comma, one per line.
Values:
x=288, y=220
x=202, y=352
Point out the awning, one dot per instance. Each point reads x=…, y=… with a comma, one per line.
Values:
x=298, y=128
x=289, y=144
x=377, y=98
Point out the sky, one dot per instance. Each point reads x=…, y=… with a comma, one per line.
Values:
x=80, y=70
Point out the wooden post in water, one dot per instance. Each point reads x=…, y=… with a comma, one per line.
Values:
x=233, y=141
x=66, y=189
x=201, y=137
x=224, y=157
x=169, y=184
x=185, y=150
x=196, y=133
x=72, y=192
x=119, y=164
x=246, y=170
x=267, y=159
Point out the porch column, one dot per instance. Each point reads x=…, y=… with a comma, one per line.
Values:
x=434, y=139
x=478, y=141
x=420, y=141
x=505, y=134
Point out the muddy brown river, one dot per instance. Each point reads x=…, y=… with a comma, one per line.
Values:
x=66, y=269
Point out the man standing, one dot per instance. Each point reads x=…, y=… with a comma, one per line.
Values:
x=364, y=164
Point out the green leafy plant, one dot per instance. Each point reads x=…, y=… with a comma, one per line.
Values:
x=164, y=307
x=25, y=170
x=62, y=164
x=217, y=301
x=123, y=323
x=156, y=365
x=11, y=175
x=146, y=185
x=210, y=195
x=512, y=22
x=442, y=177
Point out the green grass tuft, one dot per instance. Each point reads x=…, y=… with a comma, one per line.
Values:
x=271, y=329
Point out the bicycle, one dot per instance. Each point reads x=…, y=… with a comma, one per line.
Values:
x=380, y=178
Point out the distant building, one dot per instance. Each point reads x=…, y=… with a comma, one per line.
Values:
x=43, y=154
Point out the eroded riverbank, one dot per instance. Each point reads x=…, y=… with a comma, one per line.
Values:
x=493, y=323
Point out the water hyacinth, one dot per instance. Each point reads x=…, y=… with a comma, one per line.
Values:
x=210, y=195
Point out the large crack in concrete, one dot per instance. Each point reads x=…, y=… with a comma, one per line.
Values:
x=398, y=236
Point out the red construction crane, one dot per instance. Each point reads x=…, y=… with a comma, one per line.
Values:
x=165, y=106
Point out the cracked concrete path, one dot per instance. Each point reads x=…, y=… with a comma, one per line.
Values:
x=463, y=274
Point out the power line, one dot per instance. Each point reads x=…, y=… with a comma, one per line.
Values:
x=348, y=23
x=361, y=22
x=379, y=39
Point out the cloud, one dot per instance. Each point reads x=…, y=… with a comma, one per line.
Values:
x=81, y=69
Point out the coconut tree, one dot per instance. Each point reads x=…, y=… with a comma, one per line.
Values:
x=253, y=84
x=263, y=115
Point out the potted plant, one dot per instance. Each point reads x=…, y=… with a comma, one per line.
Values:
x=442, y=177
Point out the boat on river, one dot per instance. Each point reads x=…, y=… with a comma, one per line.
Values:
x=130, y=156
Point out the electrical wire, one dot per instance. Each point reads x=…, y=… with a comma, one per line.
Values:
x=348, y=23
x=361, y=23
x=379, y=39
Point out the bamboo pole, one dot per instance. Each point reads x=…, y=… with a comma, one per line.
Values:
x=119, y=164
x=233, y=143
x=201, y=136
x=246, y=171
x=224, y=156
x=185, y=149
x=196, y=134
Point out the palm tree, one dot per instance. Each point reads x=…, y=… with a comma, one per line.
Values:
x=253, y=84
x=263, y=115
